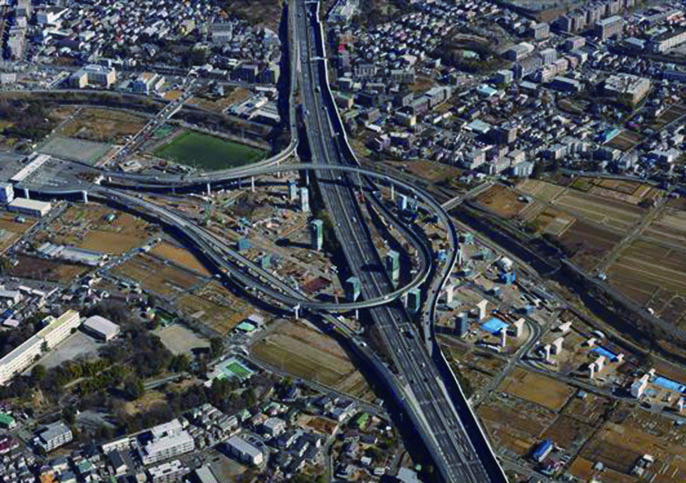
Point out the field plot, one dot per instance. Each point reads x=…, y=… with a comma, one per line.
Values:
x=307, y=353
x=541, y=190
x=103, y=125
x=614, y=215
x=215, y=307
x=668, y=229
x=208, y=152
x=582, y=469
x=552, y=222
x=87, y=226
x=180, y=340
x=588, y=243
x=40, y=269
x=180, y=256
x=501, y=201
x=625, y=140
x=652, y=274
x=514, y=426
x=88, y=152
x=672, y=113
x=538, y=389
x=568, y=433
x=619, y=443
x=157, y=276
x=587, y=410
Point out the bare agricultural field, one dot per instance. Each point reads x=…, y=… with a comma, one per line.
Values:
x=103, y=125
x=582, y=469
x=652, y=274
x=552, y=221
x=588, y=243
x=501, y=201
x=614, y=215
x=181, y=256
x=568, y=432
x=541, y=190
x=672, y=113
x=587, y=410
x=305, y=352
x=625, y=140
x=156, y=276
x=668, y=228
x=536, y=388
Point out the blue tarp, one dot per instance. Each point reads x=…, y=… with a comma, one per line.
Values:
x=668, y=384
x=600, y=350
x=494, y=325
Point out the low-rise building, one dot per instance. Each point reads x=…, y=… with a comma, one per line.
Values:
x=29, y=207
x=244, y=451
x=54, y=435
x=101, y=328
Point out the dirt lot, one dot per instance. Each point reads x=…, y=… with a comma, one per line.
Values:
x=156, y=276
x=181, y=256
x=51, y=270
x=180, y=340
x=620, y=442
x=514, y=426
x=307, y=353
x=502, y=201
x=11, y=230
x=85, y=226
x=103, y=125
x=533, y=387
x=215, y=307
x=541, y=190
x=235, y=95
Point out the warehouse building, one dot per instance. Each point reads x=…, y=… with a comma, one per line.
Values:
x=627, y=88
x=101, y=328
x=29, y=207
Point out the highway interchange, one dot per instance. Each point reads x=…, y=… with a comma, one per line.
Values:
x=441, y=417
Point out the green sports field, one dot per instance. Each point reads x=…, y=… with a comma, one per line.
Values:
x=208, y=152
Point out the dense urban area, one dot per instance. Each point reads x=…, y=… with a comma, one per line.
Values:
x=342, y=240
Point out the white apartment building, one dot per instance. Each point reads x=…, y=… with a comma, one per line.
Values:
x=169, y=440
x=26, y=354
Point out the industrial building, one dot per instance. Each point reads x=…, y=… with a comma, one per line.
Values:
x=244, y=451
x=29, y=207
x=35, y=161
x=54, y=435
x=25, y=354
x=101, y=328
x=72, y=254
x=168, y=440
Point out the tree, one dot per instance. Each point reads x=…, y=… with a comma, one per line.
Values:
x=180, y=363
x=38, y=373
x=69, y=415
x=216, y=347
x=134, y=388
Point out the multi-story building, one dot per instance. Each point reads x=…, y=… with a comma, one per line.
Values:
x=147, y=82
x=244, y=451
x=27, y=353
x=54, y=435
x=6, y=192
x=609, y=27
x=667, y=40
x=168, y=440
x=629, y=89
x=93, y=75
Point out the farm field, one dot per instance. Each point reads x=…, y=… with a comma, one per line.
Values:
x=541, y=190
x=180, y=256
x=614, y=215
x=103, y=125
x=589, y=243
x=653, y=275
x=11, y=230
x=208, y=152
x=157, y=276
x=625, y=140
x=215, y=307
x=538, y=389
x=307, y=353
